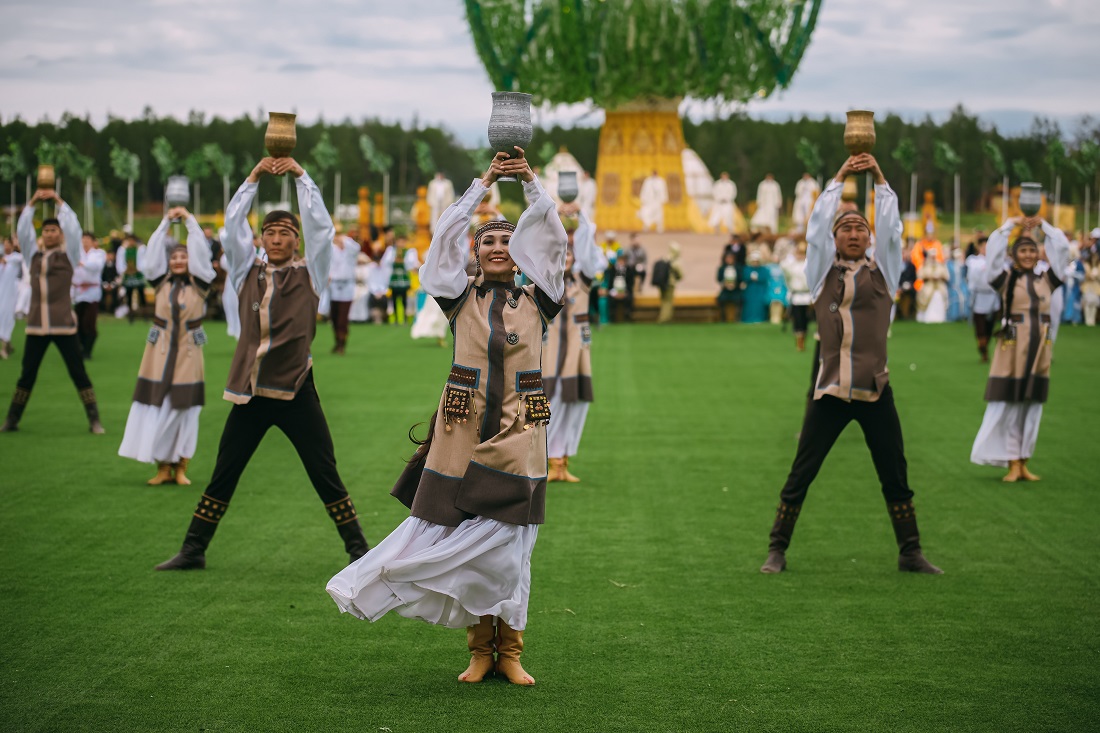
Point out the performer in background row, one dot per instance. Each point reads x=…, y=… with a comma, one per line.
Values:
x=11, y=270
x=271, y=377
x=88, y=291
x=341, y=288
x=985, y=303
x=852, y=298
x=566, y=356
x=724, y=194
x=769, y=200
x=1019, y=377
x=163, y=426
x=476, y=487
x=50, y=319
x=806, y=192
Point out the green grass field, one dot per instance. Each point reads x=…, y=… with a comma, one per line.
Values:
x=647, y=611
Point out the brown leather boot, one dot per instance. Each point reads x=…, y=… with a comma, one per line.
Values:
x=15, y=412
x=192, y=555
x=509, y=648
x=1025, y=474
x=164, y=475
x=344, y=515
x=181, y=472
x=800, y=341
x=556, y=472
x=785, y=517
x=566, y=476
x=910, y=557
x=1014, y=473
x=87, y=396
x=480, y=639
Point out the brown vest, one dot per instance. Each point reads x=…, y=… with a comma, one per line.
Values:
x=51, y=305
x=565, y=352
x=488, y=452
x=853, y=316
x=172, y=365
x=1020, y=371
x=278, y=310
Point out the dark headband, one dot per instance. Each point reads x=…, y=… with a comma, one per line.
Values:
x=281, y=218
x=842, y=215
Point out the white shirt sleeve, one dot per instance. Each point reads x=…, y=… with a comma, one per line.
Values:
x=237, y=242
x=590, y=258
x=1057, y=247
x=996, y=251
x=412, y=260
x=93, y=263
x=443, y=274
x=318, y=231
x=539, y=243
x=26, y=235
x=821, y=248
x=155, y=262
x=70, y=227
x=198, y=252
x=888, y=230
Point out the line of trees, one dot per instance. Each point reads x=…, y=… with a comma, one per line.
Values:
x=216, y=152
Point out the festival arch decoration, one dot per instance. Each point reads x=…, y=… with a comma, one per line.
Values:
x=638, y=59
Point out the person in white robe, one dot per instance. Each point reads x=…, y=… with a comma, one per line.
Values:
x=724, y=193
x=87, y=291
x=341, y=287
x=441, y=194
x=586, y=196
x=360, y=306
x=167, y=433
x=805, y=193
x=769, y=199
x=11, y=270
x=378, y=284
x=654, y=196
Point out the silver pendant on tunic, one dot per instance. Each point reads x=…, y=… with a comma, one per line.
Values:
x=513, y=338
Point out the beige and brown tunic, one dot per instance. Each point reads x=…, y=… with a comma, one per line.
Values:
x=566, y=355
x=51, y=274
x=488, y=452
x=1020, y=370
x=172, y=365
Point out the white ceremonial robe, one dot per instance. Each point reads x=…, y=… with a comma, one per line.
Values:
x=724, y=193
x=11, y=270
x=654, y=196
x=441, y=194
x=805, y=193
x=87, y=284
x=769, y=199
x=341, y=271
x=230, y=304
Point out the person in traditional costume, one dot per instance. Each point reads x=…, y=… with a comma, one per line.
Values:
x=1090, y=287
x=958, y=298
x=654, y=196
x=729, y=289
x=933, y=276
x=805, y=193
x=675, y=273
x=129, y=261
x=755, y=293
x=769, y=200
x=379, y=272
x=341, y=288
x=724, y=193
x=1019, y=376
x=985, y=302
x=852, y=296
x=777, y=293
x=88, y=291
x=794, y=271
x=441, y=194
x=271, y=377
x=566, y=356
x=476, y=487
x=11, y=270
x=1074, y=276
x=405, y=262
x=50, y=318
x=163, y=426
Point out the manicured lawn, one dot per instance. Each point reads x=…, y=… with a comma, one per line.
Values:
x=647, y=610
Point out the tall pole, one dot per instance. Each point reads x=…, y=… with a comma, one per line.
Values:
x=89, y=217
x=198, y=191
x=1087, y=199
x=386, y=196
x=28, y=189
x=130, y=204
x=958, y=239
x=913, y=192
x=1057, y=197
x=336, y=196
x=1004, y=199
x=225, y=194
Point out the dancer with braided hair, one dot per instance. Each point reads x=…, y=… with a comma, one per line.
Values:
x=476, y=488
x=1019, y=376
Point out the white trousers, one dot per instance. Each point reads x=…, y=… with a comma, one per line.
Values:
x=563, y=434
x=1008, y=433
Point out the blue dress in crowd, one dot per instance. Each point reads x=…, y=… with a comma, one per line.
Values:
x=1071, y=287
x=958, y=293
x=777, y=284
x=756, y=294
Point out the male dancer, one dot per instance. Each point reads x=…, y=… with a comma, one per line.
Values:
x=852, y=297
x=88, y=291
x=271, y=377
x=51, y=318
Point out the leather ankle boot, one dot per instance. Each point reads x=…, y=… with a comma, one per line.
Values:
x=164, y=475
x=566, y=476
x=346, y=518
x=785, y=517
x=480, y=639
x=204, y=523
x=181, y=472
x=509, y=648
x=556, y=472
x=910, y=557
x=15, y=412
x=1025, y=474
x=1014, y=473
x=87, y=396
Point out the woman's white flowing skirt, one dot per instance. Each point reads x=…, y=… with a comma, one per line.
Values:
x=160, y=434
x=1009, y=432
x=443, y=575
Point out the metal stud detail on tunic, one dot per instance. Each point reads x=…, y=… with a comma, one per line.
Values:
x=513, y=338
x=833, y=307
x=255, y=306
x=512, y=302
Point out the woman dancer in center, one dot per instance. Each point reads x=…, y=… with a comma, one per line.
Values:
x=477, y=486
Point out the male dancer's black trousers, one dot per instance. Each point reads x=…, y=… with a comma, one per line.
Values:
x=35, y=350
x=87, y=315
x=825, y=419
x=301, y=420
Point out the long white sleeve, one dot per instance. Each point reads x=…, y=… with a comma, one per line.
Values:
x=155, y=262
x=26, y=235
x=237, y=242
x=443, y=274
x=70, y=227
x=1057, y=247
x=996, y=251
x=590, y=258
x=412, y=260
x=821, y=248
x=888, y=254
x=318, y=231
x=198, y=252
x=539, y=243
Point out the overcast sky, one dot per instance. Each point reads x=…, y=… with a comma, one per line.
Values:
x=394, y=59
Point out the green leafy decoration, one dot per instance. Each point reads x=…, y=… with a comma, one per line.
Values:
x=810, y=156
x=325, y=155
x=1056, y=154
x=996, y=159
x=195, y=166
x=46, y=153
x=1022, y=170
x=905, y=153
x=13, y=164
x=424, y=159
x=945, y=158
x=125, y=164
x=219, y=161
x=165, y=156
x=616, y=51
x=377, y=161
